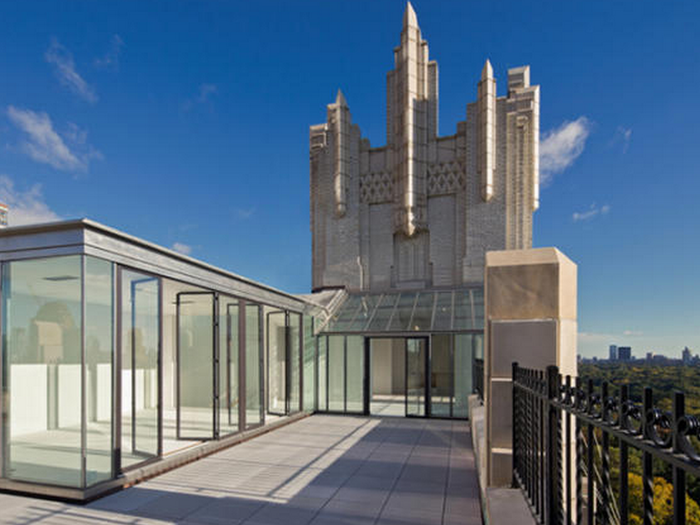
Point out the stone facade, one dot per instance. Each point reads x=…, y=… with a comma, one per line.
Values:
x=423, y=210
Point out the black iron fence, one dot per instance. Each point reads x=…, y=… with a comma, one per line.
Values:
x=562, y=432
x=478, y=377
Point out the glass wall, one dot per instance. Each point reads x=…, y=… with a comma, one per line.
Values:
x=309, y=364
x=463, y=352
x=140, y=338
x=441, y=375
x=228, y=365
x=276, y=362
x=294, y=362
x=99, y=351
x=336, y=373
x=42, y=320
x=355, y=373
x=253, y=365
x=195, y=365
x=322, y=373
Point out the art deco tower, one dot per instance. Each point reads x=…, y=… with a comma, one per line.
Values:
x=422, y=210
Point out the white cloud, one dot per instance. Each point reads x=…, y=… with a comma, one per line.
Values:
x=64, y=68
x=622, y=136
x=111, y=59
x=182, y=248
x=245, y=213
x=560, y=147
x=205, y=91
x=26, y=207
x=204, y=94
x=44, y=144
x=592, y=212
x=633, y=333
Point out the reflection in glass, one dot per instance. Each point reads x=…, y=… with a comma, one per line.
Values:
x=463, y=352
x=139, y=368
x=98, y=368
x=252, y=365
x=355, y=366
x=336, y=373
x=440, y=375
x=277, y=363
x=415, y=377
x=228, y=365
x=42, y=369
x=294, y=362
x=323, y=373
x=309, y=364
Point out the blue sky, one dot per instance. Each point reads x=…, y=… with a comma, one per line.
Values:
x=186, y=123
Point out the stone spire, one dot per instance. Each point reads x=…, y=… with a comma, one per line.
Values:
x=411, y=123
x=486, y=156
x=339, y=122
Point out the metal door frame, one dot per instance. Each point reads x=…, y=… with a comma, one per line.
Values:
x=426, y=376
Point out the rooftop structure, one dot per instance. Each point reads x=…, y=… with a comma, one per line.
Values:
x=422, y=211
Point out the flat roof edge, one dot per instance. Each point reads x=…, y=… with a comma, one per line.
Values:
x=85, y=223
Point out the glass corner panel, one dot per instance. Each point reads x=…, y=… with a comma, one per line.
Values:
x=99, y=354
x=42, y=350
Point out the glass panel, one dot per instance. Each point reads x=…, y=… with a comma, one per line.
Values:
x=402, y=315
x=322, y=373
x=443, y=311
x=388, y=377
x=276, y=366
x=366, y=309
x=440, y=375
x=252, y=365
x=355, y=373
x=228, y=365
x=415, y=377
x=478, y=308
x=463, y=311
x=196, y=366
x=42, y=367
x=336, y=373
x=140, y=343
x=423, y=313
x=309, y=364
x=383, y=313
x=347, y=312
x=98, y=363
x=463, y=373
x=294, y=362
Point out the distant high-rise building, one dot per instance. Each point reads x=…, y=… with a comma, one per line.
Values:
x=4, y=213
x=624, y=353
x=613, y=353
x=687, y=356
x=650, y=357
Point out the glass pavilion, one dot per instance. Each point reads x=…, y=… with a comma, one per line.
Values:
x=121, y=359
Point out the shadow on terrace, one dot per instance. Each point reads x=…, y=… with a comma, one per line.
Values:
x=321, y=470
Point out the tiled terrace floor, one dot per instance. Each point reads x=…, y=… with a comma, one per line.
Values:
x=321, y=470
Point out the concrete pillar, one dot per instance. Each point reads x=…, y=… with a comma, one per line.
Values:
x=530, y=316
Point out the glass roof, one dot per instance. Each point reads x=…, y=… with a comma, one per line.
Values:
x=410, y=311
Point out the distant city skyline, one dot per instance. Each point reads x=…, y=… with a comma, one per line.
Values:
x=187, y=123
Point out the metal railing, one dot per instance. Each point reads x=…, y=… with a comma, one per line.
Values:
x=562, y=433
x=478, y=377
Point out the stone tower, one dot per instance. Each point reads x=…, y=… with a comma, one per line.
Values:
x=422, y=210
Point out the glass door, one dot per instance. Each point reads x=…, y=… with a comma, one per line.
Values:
x=229, y=368
x=196, y=362
x=416, y=384
x=277, y=402
x=139, y=357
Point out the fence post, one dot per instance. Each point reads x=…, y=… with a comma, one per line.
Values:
x=554, y=473
x=647, y=471
x=678, y=473
x=515, y=426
